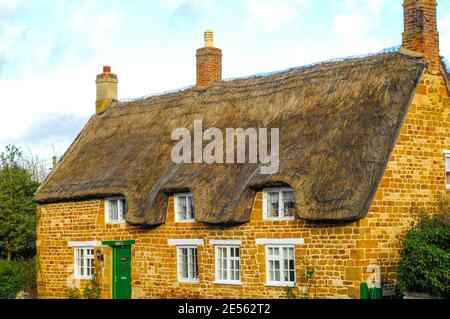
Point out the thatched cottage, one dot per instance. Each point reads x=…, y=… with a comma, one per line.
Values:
x=363, y=141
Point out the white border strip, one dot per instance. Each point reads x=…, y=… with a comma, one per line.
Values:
x=84, y=243
x=287, y=241
x=447, y=152
x=225, y=242
x=185, y=242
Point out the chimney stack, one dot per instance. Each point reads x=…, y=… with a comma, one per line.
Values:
x=421, y=34
x=106, y=89
x=209, y=62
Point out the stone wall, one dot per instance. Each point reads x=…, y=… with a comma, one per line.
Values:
x=339, y=253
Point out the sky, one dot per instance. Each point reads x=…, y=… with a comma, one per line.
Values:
x=51, y=50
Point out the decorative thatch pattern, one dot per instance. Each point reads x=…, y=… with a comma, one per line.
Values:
x=338, y=123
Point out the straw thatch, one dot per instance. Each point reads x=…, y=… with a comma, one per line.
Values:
x=338, y=124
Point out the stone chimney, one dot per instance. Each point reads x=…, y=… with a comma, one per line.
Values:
x=421, y=34
x=209, y=62
x=106, y=89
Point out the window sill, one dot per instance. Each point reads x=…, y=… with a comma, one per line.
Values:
x=284, y=219
x=83, y=278
x=185, y=222
x=189, y=282
x=282, y=285
x=227, y=283
x=116, y=223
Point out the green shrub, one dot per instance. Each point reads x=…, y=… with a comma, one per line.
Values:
x=13, y=278
x=92, y=289
x=425, y=256
x=73, y=293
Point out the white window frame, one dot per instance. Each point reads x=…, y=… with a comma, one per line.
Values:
x=281, y=283
x=187, y=280
x=189, y=219
x=280, y=191
x=121, y=211
x=86, y=258
x=228, y=245
x=447, y=158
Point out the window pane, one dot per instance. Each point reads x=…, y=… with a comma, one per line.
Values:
x=90, y=262
x=123, y=209
x=182, y=208
x=277, y=270
x=191, y=208
x=113, y=210
x=273, y=204
x=187, y=263
x=195, y=263
x=275, y=251
x=281, y=264
x=271, y=270
x=225, y=264
x=228, y=263
x=288, y=203
x=235, y=264
x=183, y=263
x=219, y=263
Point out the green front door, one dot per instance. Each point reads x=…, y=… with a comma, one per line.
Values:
x=122, y=272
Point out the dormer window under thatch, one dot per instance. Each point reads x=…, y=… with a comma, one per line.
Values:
x=278, y=203
x=115, y=210
x=184, y=208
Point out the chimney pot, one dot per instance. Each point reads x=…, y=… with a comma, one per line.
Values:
x=106, y=89
x=209, y=62
x=209, y=39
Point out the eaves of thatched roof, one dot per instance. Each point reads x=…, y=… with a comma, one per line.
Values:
x=338, y=124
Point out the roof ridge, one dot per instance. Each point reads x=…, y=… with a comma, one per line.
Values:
x=385, y=51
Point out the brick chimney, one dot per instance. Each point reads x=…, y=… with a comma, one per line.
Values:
x=209, y=62
x=421, y=34
x=106, y=89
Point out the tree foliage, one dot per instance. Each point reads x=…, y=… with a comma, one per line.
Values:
x=425, y=256
x=17, y=208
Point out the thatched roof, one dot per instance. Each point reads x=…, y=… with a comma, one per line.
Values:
x=338, y=124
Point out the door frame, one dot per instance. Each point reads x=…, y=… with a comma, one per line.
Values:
x=114, y=244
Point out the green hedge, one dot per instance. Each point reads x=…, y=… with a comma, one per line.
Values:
x=15, y=276
x=425, y=257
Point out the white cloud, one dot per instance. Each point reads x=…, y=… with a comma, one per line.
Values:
x=105, y=24
x=193, y=5
x=354, y=22
x=14, y=32
x=12, y=5
x=271, y=14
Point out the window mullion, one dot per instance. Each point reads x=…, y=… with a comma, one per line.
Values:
x=84, y=262
x=189, y=264
x=281, y=204
x=228, y=263
x=282, y=268
x=119, y=210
